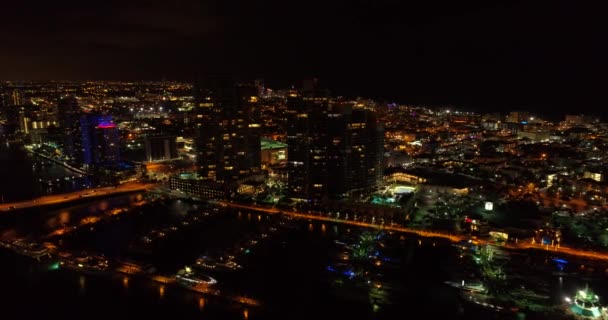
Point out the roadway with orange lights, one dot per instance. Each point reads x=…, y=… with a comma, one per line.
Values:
x=73, y=196
x=520, y=245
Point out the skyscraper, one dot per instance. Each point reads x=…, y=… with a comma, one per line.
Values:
x=333, y=147
x=68, y=117
x=306, y=141
x=99, y=143
x=366, y=163
x=11, y=110
x=23, y=121
x=15, y=97
x=160, y=147
x=228, y=131
x=3, y=99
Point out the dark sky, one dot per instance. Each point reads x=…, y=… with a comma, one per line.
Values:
x=542, y=55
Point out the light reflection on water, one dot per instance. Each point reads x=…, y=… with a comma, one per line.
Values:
x=103, y=205
x=567, y=285
x=38, y=222
x=82, y=284
x=64, y=217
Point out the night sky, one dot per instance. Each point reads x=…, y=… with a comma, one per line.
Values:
x=488, y=55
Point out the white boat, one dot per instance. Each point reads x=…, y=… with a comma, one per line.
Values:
x=468, y=286
x=586, y=305
x=187, y=277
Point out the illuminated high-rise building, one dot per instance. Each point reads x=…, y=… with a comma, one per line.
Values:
x=160, y=147
x=99, y=143
x=23, y=121
x=306, y=142
x=227, y=131
x=333, y=147
x=68, y=117
x=11, y=109
x=3, y=99
x=15, y=97
x=366, y=157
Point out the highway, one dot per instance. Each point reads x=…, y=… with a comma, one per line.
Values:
x=520, y=245
x=73, y=196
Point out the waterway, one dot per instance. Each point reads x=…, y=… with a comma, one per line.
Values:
x=26, y=176
x=286, y=271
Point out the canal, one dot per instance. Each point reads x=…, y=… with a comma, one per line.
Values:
x=289, y=266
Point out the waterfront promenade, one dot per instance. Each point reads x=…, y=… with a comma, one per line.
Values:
x=520, y=245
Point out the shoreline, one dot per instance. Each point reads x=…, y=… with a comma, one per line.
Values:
x=63, y=164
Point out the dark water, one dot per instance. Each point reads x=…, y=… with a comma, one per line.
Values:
x=286, y=271
x=25, y=176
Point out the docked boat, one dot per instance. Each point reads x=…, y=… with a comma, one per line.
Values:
x=222, y=263
x=585, y=305
x=85, y=264
x=188, y=278
x=476, y=287
x=29, y=249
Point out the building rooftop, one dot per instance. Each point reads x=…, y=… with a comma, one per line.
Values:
x=268, y=144
x=189, y=176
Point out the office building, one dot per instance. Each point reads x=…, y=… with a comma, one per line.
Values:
x=160, y=147
x=68, y=118
x=99, y=143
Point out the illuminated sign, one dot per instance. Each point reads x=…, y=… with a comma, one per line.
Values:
x=106, y=125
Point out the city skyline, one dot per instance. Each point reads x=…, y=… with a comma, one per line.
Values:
x=366, y=159
x=541, y=56
x=13, y=93
x=219, y=187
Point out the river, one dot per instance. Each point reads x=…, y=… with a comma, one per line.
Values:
x=286, y=271
x=26, y=176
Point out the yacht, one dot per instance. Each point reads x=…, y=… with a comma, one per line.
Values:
x=188, y=278
x=30, y=249
x=85, y=264
x=477, y=287
x=586, y=305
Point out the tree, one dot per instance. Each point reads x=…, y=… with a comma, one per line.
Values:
x=603, y=239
